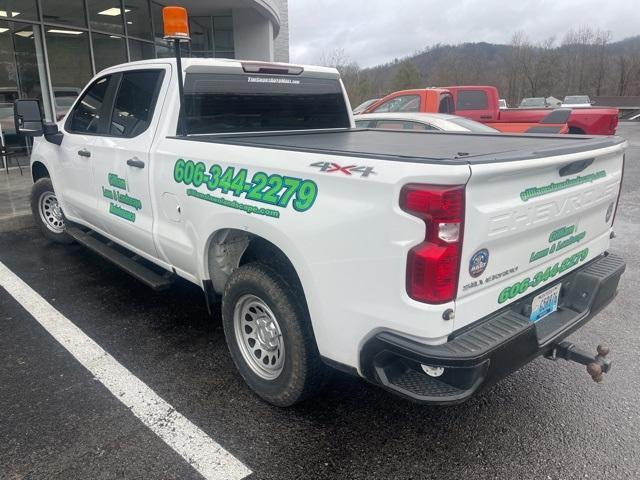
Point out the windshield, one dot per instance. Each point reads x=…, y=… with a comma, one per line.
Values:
x=363, y=106
x=472, y=125
x=533, y=102
x=576, y=99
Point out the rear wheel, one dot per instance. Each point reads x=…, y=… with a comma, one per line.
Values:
x=269, y=335
x=47, y=212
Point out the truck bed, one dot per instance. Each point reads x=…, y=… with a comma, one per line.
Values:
x=417, y=147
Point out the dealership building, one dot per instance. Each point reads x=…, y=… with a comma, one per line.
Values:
x=49, y=49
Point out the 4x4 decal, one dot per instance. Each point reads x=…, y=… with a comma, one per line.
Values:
x=330, y=167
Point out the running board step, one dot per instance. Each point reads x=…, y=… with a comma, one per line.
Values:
x=131, y=265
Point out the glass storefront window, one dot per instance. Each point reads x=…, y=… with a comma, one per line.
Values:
x=201, y=29
x=108, y=50
x=138, y=18
x=158, y=27
x=67, y=12
x=18, y=10
x=164, y=50
x=69, y=63
x=22, y=58
x=106, y=15
x=67, y=36
x=141, y=50
x=223, y=36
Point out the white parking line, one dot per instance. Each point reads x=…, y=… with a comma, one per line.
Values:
x=196, y=447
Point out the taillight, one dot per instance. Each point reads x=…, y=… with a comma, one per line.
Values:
x=613, y=124
x=433, y=267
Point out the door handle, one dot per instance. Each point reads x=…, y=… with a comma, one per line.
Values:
x=135, y=162
x=84, y=153
x=485, y=117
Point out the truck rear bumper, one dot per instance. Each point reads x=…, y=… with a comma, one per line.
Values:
x=492, y=348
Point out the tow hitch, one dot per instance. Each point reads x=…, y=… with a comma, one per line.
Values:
x=596, y=366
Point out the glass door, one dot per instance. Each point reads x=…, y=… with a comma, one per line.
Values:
x=23, y=75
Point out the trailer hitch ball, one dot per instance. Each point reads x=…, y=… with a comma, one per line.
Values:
x=596, y=366
x=595, y=369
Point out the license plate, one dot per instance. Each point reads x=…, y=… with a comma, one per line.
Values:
x=545, y=303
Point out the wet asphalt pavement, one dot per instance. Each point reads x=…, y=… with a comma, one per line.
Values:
x=546, y=421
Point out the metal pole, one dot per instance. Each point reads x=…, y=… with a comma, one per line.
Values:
x=182, y=130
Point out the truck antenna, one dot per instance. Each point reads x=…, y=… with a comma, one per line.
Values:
x=176, y=28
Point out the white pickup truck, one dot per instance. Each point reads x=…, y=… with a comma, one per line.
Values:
x=432, y=264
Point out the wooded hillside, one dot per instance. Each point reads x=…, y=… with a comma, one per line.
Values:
x=585, y=62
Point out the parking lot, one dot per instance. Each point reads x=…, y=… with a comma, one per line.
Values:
x=57, y=420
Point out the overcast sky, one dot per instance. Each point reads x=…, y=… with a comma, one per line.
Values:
x=377, y=31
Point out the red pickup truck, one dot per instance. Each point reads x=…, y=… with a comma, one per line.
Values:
x=480, y=103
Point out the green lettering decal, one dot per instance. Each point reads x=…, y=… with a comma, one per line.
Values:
x=117, y=182
x=107, y=193
x=233, y=204
x=274, y=190
x=561, y=232
x=119, y=200
x=129, y=201
x=542, y=276
x=555, y=187
x=121, y=212
x=556, y=243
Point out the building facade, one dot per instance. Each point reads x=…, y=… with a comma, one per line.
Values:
x=49, y=49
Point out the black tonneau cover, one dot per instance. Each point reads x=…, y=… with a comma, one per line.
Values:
x=421, y=147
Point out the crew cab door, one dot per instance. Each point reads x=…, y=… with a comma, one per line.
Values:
x=475, y=103
x=121, y=157
x=74, y=169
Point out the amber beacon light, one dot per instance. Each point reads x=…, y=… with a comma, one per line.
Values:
x=176, y=23
x=176, y=28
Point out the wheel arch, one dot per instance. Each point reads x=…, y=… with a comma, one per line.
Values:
x=39, y=170
x=229, y=248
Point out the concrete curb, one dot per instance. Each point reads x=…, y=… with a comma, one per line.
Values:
x=16, y=222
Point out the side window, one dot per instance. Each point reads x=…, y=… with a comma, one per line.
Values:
x=402, y=125
x=390, y=124
x=421, y=126
x=135, y=102
x=446, y=103
x=404, y=103
x=472, y=100
x=364, y=123
x=85, y=117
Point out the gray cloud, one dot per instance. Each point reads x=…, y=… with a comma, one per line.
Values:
x=377, y=31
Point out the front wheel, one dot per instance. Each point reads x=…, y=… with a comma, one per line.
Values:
x=269, y=335
x=47, y=213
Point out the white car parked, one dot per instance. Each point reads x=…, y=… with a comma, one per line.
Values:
x=577, y=101
x=421, y=121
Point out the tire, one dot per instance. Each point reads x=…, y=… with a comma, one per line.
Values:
x=258, y=298
x=47, y=213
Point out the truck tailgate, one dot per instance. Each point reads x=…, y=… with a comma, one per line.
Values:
x=528, y=223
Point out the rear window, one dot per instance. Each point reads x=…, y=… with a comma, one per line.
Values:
x=472, y=100
x=220, y=103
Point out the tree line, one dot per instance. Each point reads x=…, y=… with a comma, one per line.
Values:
x=584, y=62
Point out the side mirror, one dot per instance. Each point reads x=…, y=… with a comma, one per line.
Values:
x=28, y=118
